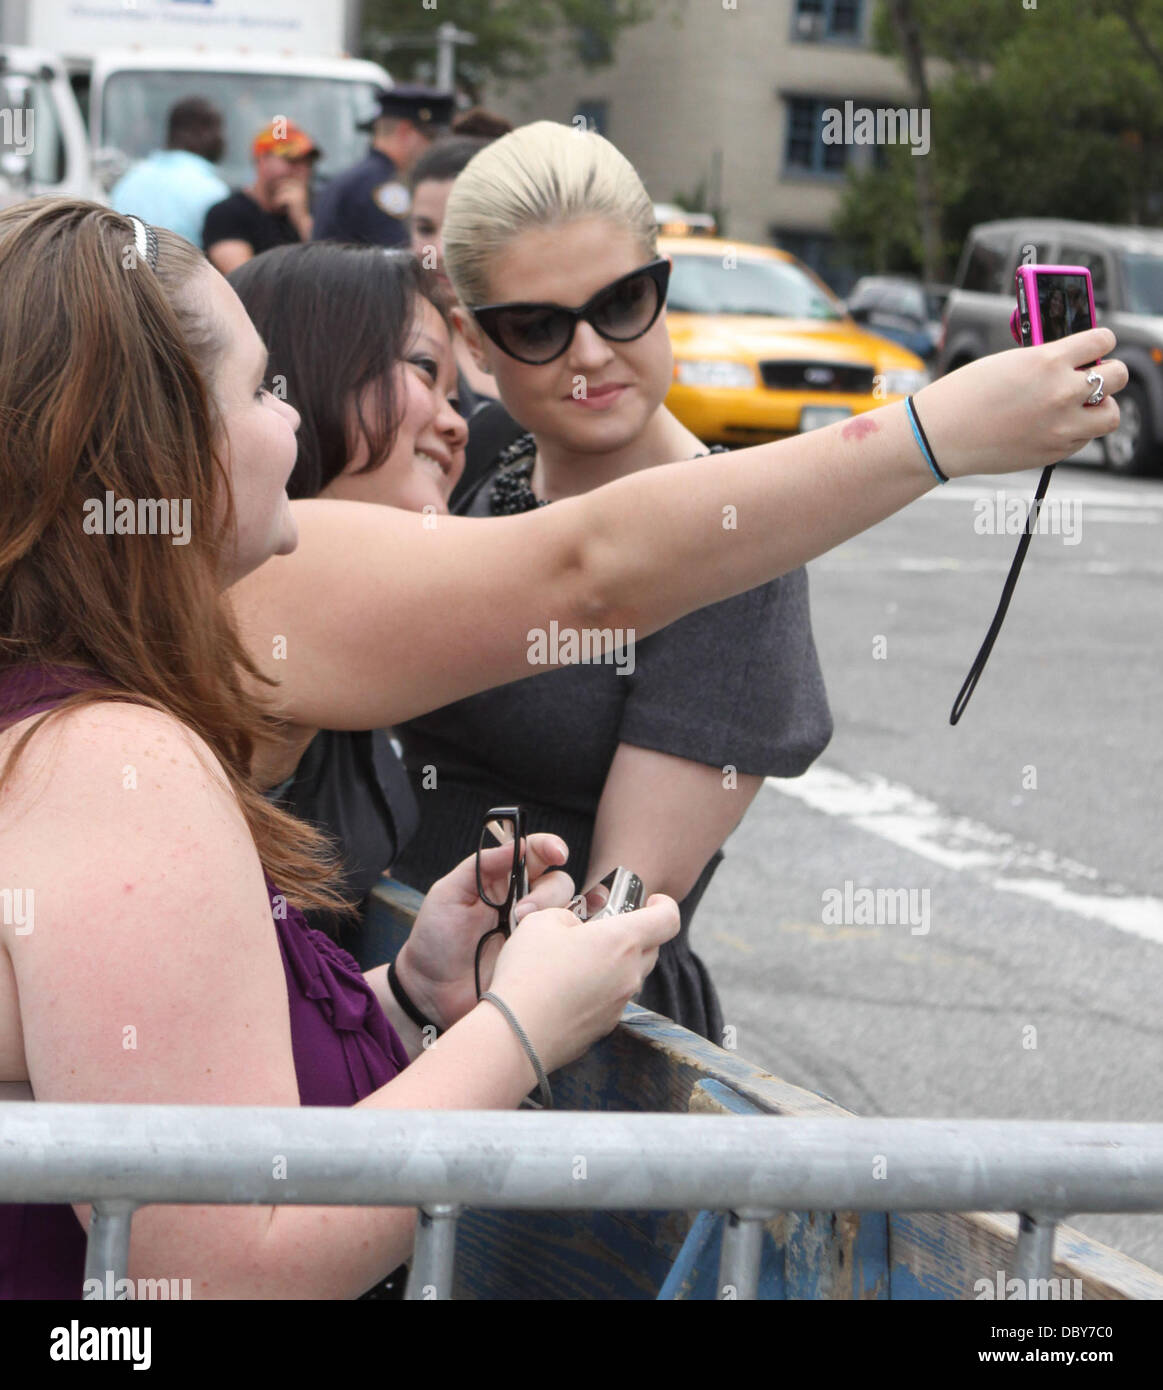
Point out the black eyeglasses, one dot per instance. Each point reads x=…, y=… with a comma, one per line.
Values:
x=502, y=825
x=539, y=333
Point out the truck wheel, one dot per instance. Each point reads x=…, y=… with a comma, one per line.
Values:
x=1131, y=448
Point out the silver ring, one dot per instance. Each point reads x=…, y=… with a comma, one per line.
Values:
x=1097, y=394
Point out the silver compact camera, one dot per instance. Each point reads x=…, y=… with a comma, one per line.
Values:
x=620, y=891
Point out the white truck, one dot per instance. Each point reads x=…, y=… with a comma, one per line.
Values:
x=85, y=85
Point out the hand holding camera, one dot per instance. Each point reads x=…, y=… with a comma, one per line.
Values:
x=1022, y=406
x=568, y=982
x=1055, y=320
x=620, y=891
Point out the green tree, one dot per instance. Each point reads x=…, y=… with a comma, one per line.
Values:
x=513, y=37
x=1050, y=110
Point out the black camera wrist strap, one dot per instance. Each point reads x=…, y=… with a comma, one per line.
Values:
x=1007, y=593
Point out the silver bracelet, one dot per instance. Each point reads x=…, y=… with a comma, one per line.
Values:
x=523, y=1039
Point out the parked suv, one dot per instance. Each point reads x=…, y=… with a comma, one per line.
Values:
x=1126, y=266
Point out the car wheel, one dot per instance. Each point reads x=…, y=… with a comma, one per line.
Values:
x=1130, y=448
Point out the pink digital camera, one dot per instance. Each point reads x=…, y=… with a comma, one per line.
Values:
x=1053, y=302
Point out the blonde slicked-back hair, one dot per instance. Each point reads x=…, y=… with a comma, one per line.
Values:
x=539, y=175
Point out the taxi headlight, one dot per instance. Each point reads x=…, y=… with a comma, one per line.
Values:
x=904, y=383
x=720, y=373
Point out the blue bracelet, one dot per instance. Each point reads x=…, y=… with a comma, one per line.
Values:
x=922, y=440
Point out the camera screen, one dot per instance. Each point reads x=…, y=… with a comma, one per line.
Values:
x=1063, y=305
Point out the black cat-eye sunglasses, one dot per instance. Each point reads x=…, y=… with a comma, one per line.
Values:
x=539, y=333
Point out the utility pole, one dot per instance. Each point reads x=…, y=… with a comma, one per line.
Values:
x=448, y=36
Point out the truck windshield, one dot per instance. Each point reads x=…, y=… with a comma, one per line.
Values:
x=704, y=285
x=136, y=103
x=1144, y=276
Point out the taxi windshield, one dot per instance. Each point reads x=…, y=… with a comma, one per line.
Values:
x=705, y=285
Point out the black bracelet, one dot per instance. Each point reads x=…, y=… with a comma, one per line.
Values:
x=406, y=1004
x=923, y=440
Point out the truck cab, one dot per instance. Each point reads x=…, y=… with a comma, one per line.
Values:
x=85, y=91
x=44, y=146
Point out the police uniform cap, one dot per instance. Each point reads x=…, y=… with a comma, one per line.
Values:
x=426, y=107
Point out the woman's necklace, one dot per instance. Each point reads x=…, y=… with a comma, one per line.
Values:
x=512, y=490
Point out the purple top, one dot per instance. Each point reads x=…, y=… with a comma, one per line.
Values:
x=344, y=1047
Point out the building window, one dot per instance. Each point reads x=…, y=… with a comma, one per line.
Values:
x=809, y=119
x=806, y=150
x=841, y=21
x=597, y=116
x=593, y=48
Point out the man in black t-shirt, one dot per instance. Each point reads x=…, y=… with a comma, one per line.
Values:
x=274, y=210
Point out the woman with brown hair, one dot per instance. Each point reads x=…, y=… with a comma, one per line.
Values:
x=162, y=879
x=168, y=961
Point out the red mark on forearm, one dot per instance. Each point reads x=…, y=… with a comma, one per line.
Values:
x=859, y=427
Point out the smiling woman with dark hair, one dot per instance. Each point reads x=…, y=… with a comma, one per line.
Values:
x=360, y=346
x=340, y=323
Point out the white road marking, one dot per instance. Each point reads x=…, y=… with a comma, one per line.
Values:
x=907, y=564
x=1135, y=498
x=1125, y=517
x=898, y=814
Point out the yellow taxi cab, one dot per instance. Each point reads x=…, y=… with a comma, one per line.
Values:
x=763, y=349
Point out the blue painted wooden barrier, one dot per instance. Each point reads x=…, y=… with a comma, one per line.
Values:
x=650, y=1063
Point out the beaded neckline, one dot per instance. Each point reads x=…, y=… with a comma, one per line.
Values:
x=511, y=491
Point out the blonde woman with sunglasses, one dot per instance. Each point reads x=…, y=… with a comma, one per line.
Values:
x=650, y=761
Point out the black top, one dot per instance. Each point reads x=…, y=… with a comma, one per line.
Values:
x=490, y=430
x=239, y=218
x=354, y=787
x=737, y=684
x=367, y=204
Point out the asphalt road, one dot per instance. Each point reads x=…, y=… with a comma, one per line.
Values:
x=1019, y=976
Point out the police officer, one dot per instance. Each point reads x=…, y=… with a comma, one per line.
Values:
x=370, y=202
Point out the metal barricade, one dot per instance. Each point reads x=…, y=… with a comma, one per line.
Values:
x=119, y=1158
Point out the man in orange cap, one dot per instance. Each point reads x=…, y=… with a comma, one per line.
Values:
x=275, y=209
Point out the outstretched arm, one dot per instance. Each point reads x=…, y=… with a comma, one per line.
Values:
x=380, y=615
